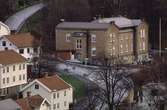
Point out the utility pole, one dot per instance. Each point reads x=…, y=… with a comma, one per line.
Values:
x=160, y=35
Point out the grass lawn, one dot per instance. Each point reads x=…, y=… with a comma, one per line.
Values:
x=78, y=86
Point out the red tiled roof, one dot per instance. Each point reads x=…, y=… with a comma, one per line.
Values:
x=30, y=103
x=10, y=57
x=23, y=40
x=54, y=82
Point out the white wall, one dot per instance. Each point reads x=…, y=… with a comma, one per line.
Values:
x=11, y=74
x=4, y=29
x=68, y=99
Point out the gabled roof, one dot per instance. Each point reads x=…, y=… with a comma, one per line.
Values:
x=54, y=83
x=10, y=57
x=31, y=102
x=23, y=40
x=9, y=104
x=51, y=83
x=121, y=22
x=82, y=25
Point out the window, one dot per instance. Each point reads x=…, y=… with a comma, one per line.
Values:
x=20, y=67
x=21, y=51
x=142, y=33
x=28, y=50
x=54, y=95
x=3, y=43
x=112, y=37
x=7, y=80
x=35, y=50
x=93, y=38
x=65, y=103
x=7, y=69
x=14, y=78
x=23, y=76
x=68, y=37
x=144, y=46
x=36, y=86
x=121, y=48
x=78, y=43
x=14, y=68
x=3, y=70
x=126, y=48
x=3, y=80
x=19, y=77
x=57, y=105
x=65, y=93
x=57, y=95
x=54, y=106
x=23, y=66
x=93, y=51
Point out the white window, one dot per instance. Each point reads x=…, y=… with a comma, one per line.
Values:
x=68, y=37
x=93, y=38
x=54, y=95
x=3, y=70
x=93, y=52
x=65, y=103
x=19, y=77
x=65, y=93
x=14, y=67
x=57, y=95
x=58, y=105
x=144, y=46
x=127, y=48
x=78, y=44
x=112, y=37
x=142, y=33
x=14, y=78
x=23, y=66
x=7, y=69
x=54, y=106
x=121, y=48
x=3, y=80
x=7, y=80
x=24, y=76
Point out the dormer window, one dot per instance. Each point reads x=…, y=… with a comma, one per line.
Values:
x=21, y=51
x=36, y=86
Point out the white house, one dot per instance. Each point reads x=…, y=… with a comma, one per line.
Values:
x=4, y=29
x=13, y=72
x=25, y=44
x=55, y=90
x=33, y=103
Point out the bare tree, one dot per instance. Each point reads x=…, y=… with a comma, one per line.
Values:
x=114, y=84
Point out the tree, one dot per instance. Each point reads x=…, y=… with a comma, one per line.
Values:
x=114, y=84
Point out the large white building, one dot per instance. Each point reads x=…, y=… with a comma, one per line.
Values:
x=13, y=72
x=25, y=44
x=4, y=29
x=55, y=90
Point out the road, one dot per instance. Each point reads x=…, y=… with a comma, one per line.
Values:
x=16, y=21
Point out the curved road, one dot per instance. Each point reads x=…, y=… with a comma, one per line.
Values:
x=16, y=21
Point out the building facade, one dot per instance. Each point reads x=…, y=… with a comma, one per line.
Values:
x=25, y=44
x=111, y=37
x=56, y=91
x=13, y=72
